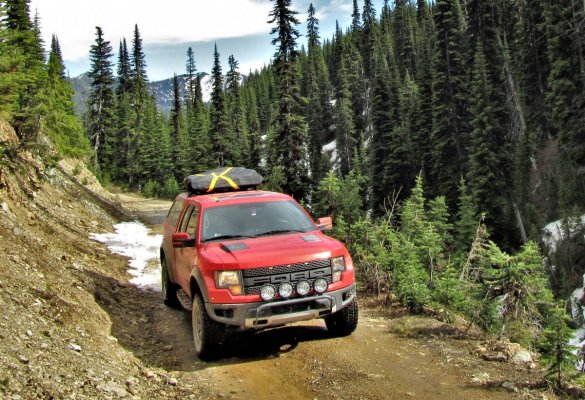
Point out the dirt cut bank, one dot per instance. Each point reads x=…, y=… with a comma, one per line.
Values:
x=56, y=339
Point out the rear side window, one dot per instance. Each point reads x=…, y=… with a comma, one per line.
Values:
x=174, y=212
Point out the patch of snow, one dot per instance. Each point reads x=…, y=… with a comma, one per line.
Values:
x=206, y=88
x=557, y=231
x=331, y=148
x=132, y=240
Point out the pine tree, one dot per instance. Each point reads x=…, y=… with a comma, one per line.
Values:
x=369, y=38
x=220, y=141
x=235, y=112
x=179, y=149
x=138, y=62
x=290, y=129
x=254, y=137
x=192, y=81
x=344, y=123
x=425, y=47
x=55, y=66
x=27, y=74
x=384, y=118
x=124, y=69
x=60, y=122
x=100, y=106
x=466, y=221
x=566, y=83
x=318, y=94
x=555, y=346
x=449, y=103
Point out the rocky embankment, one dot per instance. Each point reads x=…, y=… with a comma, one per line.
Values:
x=55, y=339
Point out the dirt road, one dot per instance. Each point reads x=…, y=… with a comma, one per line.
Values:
x=390, y=356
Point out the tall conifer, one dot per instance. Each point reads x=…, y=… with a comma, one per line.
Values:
x=100, y=106
x=289, y=140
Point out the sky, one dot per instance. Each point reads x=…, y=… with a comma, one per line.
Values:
x=238, y=27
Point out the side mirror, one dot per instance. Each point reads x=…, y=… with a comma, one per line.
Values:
x=325, y=223
x=182, y=239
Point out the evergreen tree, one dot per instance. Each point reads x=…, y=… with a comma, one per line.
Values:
x=555, y=346
x=289, y=140
x=485, y=176
x=566, y=83
x=344, y=124
x=425, y=44
x=235, y=112
x=318, y=99
x=138, y=71
x=449, y=103
x=124, y=69
x=27, y=74
x=369, y=38
x=192, y=80
x=55, y=66
x=100, y=106
x=466, y=221
x=179, y=149
x=60, y=123
x=254, y=137
x=384, y=118
x=220, y=140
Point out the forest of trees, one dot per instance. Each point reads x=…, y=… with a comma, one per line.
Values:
x=487, y=92
x=435, y=133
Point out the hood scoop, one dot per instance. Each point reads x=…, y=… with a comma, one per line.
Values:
x=231, y=247
x=311, y=238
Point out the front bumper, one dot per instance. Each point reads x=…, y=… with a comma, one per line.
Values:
x=265, y=314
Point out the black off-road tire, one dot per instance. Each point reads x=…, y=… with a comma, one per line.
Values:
x=345, y=321
x=207, y=333
x=168, y=288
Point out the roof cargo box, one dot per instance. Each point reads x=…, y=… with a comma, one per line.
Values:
x=223, y=179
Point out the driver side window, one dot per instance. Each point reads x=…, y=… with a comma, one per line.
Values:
x=190, y=220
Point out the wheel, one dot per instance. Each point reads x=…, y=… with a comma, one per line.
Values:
x=343, y=322
x=207, y=333
x=168, y=288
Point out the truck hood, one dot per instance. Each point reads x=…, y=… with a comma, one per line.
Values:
x=271, y=251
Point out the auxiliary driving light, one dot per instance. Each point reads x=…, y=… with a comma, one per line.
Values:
x=267, y=292
x=285, y=290
x=303, y=288
x=320, y=285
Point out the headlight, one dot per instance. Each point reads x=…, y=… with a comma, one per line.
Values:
x=338, y=264
x=285, y=290
x=231, y=280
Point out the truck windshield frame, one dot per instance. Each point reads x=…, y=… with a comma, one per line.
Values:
x=253, y=219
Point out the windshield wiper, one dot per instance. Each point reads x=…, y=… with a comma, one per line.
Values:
x=223, y=237
x=277, y=231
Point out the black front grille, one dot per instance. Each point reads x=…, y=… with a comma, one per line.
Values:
x=255, y=278
x=286, y=269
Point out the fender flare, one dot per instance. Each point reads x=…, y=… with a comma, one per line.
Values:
x=197, y=278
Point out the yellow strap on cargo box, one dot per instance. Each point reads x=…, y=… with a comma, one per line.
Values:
x=224, y=177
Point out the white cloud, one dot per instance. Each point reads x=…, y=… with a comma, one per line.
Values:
x=172, y=21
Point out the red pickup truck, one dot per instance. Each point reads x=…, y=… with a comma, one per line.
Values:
x=249, y=259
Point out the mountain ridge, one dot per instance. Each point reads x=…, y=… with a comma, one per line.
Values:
x=162, y=90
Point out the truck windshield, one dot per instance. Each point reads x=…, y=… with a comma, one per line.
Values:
x=254, y=220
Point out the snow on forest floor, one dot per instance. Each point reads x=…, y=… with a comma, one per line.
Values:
x=132, y=240
x=552, y=235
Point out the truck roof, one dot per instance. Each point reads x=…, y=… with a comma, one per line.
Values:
x=236, y=197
